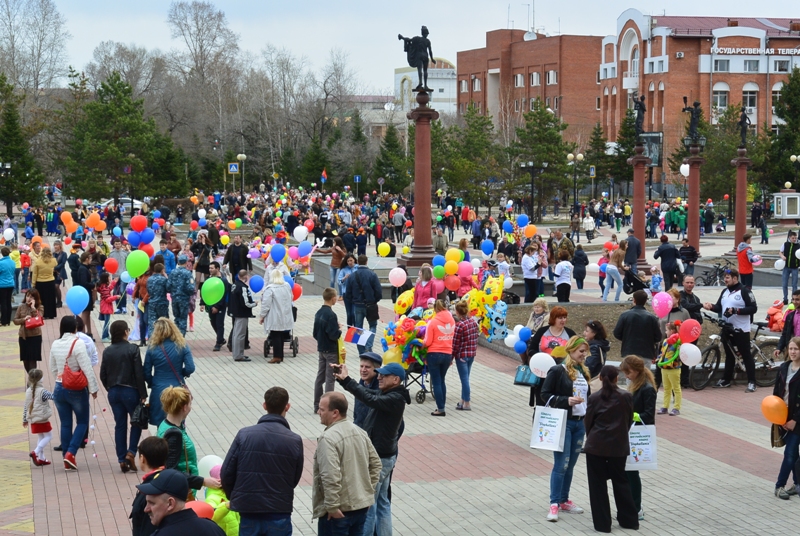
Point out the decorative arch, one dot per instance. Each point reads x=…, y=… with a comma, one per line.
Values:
x=778, y=86
x=750, y=86
x=661, y=86
x=614, y=90
x=605, y=91
x=652, y=87
x=630, y=41
x=721, y=86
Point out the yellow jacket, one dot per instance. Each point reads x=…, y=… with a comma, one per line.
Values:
x=15, y=257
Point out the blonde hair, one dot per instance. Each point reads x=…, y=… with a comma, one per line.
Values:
x=439, y=306
x=643, y=374
x=276, y=278
x=165, y=329
x=174, y=399
x=46, y=254
x=572, y=367
x=541, y=302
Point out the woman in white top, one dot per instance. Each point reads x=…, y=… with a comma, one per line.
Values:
x=276, y=313
x=70, y=350
x=563, y=273
x=533, y=263
x=588, y=226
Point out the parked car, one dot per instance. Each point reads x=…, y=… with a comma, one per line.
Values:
x=125, y=201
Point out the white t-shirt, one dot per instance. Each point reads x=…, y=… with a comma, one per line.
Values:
x=563, y=273
x=580, y=388
x=504, y=269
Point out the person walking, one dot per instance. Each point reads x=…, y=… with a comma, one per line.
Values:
x=327, y=331
x=633, y=251
x=157, y=303
x=614, y=270
x=30, y=338
x=240, y=308
x=787, y=387
x=579, y=262
x=563, y=273
x=788, y=254
x=217, y=311
x=37, y=413
x=609, y=416
x=276, y=314
x=167, y=363
x=365, y=292
x=8, y=278
x=669, y=256
x=43, y=279
x=180, y=285
x=465, y=347
x=439, y=342
x=263, y=467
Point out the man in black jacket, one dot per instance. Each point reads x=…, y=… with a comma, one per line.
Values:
x=693, y=305
x=216, y=311
x=382, y=424
x=364, y=291
x=788, y=325
x=263, y=466
x=236, y=257
x=370, y=362
x=638, y=330
x=240, y=308
x=633, y=252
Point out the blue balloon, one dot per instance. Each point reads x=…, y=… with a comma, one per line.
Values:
x=156, y=214
x=156, y=226
x=289, y=281
x=520, y=347
x=256, y=283
x=126, y=277
x=522, y=220
x=147, y=236
x=438, y=260
x=508, y=226
x=277, y=252
x=304, y=248
x=117, y=231
x=134, y=239
x=603, y=268
x=278, y=228
x=77, y=299
x=487, y=247
x=525, y=334
x=202, y=222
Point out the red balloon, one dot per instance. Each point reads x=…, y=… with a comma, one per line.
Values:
x=161, y=221
x=726, y=196
x=111, y=265
x=609, y=246
x=408, y=223
x=309, y=225
x=68, y=241
x=452, y=282
x=194, y=225
x=690, y=330
x=297, y=291
x=138, y=223
x=211, y=199
x=78, y=202
x=147, y=248
x=202, y=509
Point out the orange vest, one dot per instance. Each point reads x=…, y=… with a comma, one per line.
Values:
x=745, y=266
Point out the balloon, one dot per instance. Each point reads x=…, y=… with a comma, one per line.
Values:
x=147, y=236
x=293, y=253
x=775, y=410
x=300, y=233
x=438, y=286
x=409, y=223
x=254, y=253
x=438, y=218
x=148, y=249
x=224, y=240
x=508, y=226
x=384, y=249
x=212, y=291
x=518, y=329
x=93, y=219
x=522, y=221
x=725, y=197
x=520, y=347
x=200, y=214
x=780, y=264
x=137, y=263
x=101, y=226
x=530, y=230
x=202, y=222
x=202, y=509
x=66, y=217
x=476, y=263
x=194, y=225
x=77, y=299
x=304, y=249
x=438, y=272
x=609, y=245
x=450, y=267
x=238, y=222
x=690, y=330
x=256, y=283
x=406, y=249
x=593, y=267
x=452, y=282
x=8, y=234
x=690, y=354
x=757, y=260
x=111, y=266
x=487, y=247
x=25, y=206
x=117, y=231
x=278, y=252
x=508, y=283
x=72, y=226
x=662, y=304
x=126, y=277
x=78, y=202
x=138, y=223
x=397, y=277
x=231, y=225
x=540, y=363
x=797, y=253
x=393, y=355
x=68, y=241
x=194, y=199
x=83, y=243
x=157, y=214
x=453, y=254
x=511, y=340
x=207, y=463
x=309, y=224
x=297, y=291
x=38, y=240
x=464, y=269
x=525, y=334
x=129, y=288
x=438, y=260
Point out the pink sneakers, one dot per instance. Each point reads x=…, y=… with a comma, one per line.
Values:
x=570, y=507
x=553, y=515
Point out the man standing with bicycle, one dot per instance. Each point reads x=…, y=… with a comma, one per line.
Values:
x=737, y=305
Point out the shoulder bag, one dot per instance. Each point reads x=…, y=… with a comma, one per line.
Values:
x=74, y=381
x=181, y=382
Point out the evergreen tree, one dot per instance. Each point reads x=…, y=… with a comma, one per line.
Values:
x=289, y=169
x=314, y=162
x=597, y=156
x=778, y=168
x=391, y=163
x=22, y=182
x=620, y=170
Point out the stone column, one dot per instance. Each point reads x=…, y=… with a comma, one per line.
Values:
x=639, y=163
x=694, y=161
x=741, y=164
x=422, y=252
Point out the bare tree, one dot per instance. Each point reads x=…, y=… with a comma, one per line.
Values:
x=141, y=69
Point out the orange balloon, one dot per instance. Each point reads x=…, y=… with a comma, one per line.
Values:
x=93, y=220
x=2, y=240
x=232, y=225
x=36, y=239
x=775, y=409
x=530, y=230
x=72, y=226
x=66, y=217
x=202, y=509
x=101, y=226
x=193, y=199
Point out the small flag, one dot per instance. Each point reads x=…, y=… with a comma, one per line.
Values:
x=324, y=175
x=357, y=336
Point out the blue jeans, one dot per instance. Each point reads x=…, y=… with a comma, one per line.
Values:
x=256, y=526
x=688, y=269
x=438, y=364
x=350, y=312
x=786, y=272
x=123, y=400
x=360, y=313
x=464, y=367
x=67, y=403
x=106, y=321
x=352, y=524
x=379, y=515
x=791, y=453
x=17, y=271
x=613, y=273
x=334, y=273
x=564, y=462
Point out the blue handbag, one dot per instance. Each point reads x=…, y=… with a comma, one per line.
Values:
x=524, y=376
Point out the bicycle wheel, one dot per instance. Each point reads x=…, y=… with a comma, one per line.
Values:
x=766, y=367
x=701, y=281
x=700, y=375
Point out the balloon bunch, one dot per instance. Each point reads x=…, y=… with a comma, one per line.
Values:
x=402, y=341
x=488, y=308
x=142, y=237
x=518, y=339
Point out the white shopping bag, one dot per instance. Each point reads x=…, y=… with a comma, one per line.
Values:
x=644, y=449
x=549, y=428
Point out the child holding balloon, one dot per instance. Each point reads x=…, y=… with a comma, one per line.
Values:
x=670, y=364
x=107, y=302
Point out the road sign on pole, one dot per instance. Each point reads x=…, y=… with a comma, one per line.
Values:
x=592, y=172
x=233, y=168
x=381, y=180
x=357, y=179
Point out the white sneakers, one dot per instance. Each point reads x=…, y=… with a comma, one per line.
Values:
x=568, y=507
x=553, y=515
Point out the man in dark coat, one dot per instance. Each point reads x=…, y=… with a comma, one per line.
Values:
x=236, y=257
x=638, y=330
x=365, y=291
x=633, y=252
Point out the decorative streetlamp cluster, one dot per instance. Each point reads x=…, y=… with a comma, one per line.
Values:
x=574, y=160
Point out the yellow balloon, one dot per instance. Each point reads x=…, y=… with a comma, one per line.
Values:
x=406, y=249
x=393, y=355
x=394, y=206
x=450, y=267
x=452, y=254
x=384, y=250
x=404, y=302
x=224, y=239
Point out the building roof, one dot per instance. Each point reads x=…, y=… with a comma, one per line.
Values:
x=689, y=26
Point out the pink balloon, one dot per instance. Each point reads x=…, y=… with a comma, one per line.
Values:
x=662, y=304
x=438, y=285
x=464, y=269
x=397, y=277
x=294, y=254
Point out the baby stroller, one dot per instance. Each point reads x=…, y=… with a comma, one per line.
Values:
x=288, y=336
x=416, y=374
x=632, y=282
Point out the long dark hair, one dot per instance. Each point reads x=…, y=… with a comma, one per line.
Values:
x=68, y=325
x=608, y=375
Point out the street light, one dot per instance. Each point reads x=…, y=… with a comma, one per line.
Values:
x=796, y=162
x=685, y=172
x=574, y=160
x=241, y=157
x=534, y=169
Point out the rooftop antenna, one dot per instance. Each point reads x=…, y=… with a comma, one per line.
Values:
x=528, y=20
x=508, y=17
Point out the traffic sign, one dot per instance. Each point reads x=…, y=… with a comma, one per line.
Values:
x=381, y=180
x=357, y=178
x=275, y=176
x=592, y=172
x=233, y=168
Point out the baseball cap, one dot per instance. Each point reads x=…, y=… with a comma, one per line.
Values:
x=168, y=481
x=393, y=369
x=630, y=231
x=182, y=259
x=372, y=356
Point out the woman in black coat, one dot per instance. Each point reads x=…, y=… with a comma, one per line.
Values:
x=641, y=385
x=789, y=390
x=669, y=256
x=579, y=261
x=609, y=416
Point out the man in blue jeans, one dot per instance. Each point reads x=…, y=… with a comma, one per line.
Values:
x=364, y=292
x=788, y=253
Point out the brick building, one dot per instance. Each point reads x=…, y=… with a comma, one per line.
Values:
x=516, y=67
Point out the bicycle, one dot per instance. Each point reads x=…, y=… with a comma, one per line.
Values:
x=763, y=354
x=714, y=277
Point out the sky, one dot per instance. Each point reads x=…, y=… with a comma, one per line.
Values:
x=367, y=30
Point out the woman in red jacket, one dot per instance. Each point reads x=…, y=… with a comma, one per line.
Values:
x=425, y=288
x=439, y=342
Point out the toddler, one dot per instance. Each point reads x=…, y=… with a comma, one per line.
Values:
x=37, y=412
x=670, y=364
x=107, y=302
x=503, y=267
x=656, y=280
x=224, y=517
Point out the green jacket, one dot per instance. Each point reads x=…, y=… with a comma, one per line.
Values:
x=187, y=455
x=224, y=517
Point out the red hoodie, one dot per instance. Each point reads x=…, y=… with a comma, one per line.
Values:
x=439, y=334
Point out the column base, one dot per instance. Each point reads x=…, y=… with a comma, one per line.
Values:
x=418, y=256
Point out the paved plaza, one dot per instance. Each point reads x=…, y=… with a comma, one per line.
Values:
x=468, y=473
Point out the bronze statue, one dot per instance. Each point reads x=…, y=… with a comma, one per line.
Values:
x=640, y=108
x=695, y=118
x=419, y=53
x=744, y=124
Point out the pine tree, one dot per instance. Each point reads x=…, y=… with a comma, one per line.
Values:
x=778, y=168
x=314, y=162
x=597, y=156
x=620, y=170
x=391, y=162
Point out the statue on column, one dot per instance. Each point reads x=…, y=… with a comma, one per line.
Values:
x=695, y=112
x=419, y=53
x=744, y=124
x=640, y=108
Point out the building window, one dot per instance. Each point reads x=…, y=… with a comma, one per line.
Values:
x=555, y=102
x=464, y=86
x=461, y=107
x=634, y=62
x=478, y=106
x=536, y=79
x=441, y=90
x=750, y=99
x=751, y=66
x=605, y=73
x=613, y=72
x=533, y=104
x=547, y=102
x=519, y=80
x=476, y=84
x=776, y=96
x=722, y=66
x=775, y=129
x=516, y=105
x=598, y=77
x=552, y=78
x=781, y=66
x=597, y=103
x=720, y=100
x=660, y=66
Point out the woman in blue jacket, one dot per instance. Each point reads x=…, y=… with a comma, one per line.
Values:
x=7, y=268
x=168, y=362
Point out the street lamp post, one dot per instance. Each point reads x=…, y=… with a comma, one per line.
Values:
x=795, y=159
x=574, y=160
x=241, y=157
x=534, y=170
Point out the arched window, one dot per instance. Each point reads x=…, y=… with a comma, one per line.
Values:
x=720, y=96
x=750, y=96
x=633, y=63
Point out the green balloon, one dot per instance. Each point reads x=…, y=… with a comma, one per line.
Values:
x=438, y=272
x=238, y=222
x=212, y=290
x=461, y=252
x=438, y=218
x=279, y=214
x=137, y=263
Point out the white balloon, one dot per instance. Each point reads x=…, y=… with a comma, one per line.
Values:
x=201, y=213
x=207, y=463
x=540, y=363
x=511, y=340
x=449, y=207
x=690, y=354
x=517, y=329
x=593, y=267
x=797, y=253
x=685, y=170
x=8, y=234
x=476, y=263
x=508, y=283
x=780, y=264
x=300, y=233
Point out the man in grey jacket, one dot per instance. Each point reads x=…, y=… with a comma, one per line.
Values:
x=633, y=252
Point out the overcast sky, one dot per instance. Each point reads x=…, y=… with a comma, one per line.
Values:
x=367, y=30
